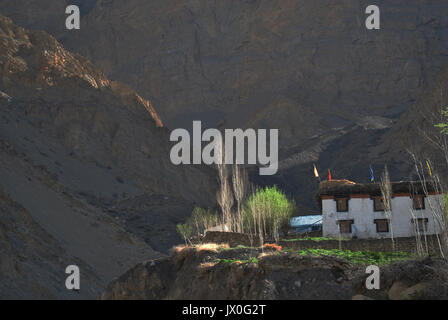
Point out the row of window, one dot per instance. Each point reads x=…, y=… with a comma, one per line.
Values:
x=382, y=225
x=418, y=203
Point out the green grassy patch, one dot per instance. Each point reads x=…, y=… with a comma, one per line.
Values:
x=360, y=257
x=230, y=261
x=237, y=247
x=317, y=239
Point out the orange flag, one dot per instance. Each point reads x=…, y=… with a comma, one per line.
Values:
x=316, y=174
x=329, y=175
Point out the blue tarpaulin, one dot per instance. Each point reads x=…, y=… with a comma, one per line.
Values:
x=306, y=223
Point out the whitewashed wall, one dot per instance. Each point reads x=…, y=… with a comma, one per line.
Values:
x=362, y=212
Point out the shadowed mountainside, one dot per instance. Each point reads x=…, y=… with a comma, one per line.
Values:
x=311, y=69
x=79, y=155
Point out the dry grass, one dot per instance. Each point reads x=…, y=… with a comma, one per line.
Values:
x=178, y=254
x=205, y=267
x=179, y=249
x=182, y=251
x=213, y=247
x=272, y=246
x=266, y=254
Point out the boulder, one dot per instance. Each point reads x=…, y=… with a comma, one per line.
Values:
x=395, y=291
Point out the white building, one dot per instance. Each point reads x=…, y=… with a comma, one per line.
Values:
x=356, y=210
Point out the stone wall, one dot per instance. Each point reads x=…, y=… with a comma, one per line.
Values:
x=232, y=238
x=401, y=244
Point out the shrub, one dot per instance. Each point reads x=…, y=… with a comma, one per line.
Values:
x=200, y=220
x=443, y=126
x=185, y=231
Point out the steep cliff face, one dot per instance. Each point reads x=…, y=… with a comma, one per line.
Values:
x=84, y=163
x=207, y=274
x=247, y=274
x=249, y=62
x=312, y=70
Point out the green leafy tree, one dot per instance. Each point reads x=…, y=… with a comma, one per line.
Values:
x=443, y=126
x=268, y=212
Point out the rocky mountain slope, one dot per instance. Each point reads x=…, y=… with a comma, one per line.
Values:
x=208, y=272
x=311, y=69
x=419, y=120
x=33, y=262
x=84, y=167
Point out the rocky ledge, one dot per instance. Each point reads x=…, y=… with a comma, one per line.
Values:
x=211, y=271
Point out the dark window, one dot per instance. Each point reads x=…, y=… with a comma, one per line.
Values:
x=378, y=204
x=422, y=224
x=418, y=202
x=382, y=225
x=345, y=226
x=342, y=204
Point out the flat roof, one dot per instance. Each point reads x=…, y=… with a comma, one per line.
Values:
x=346, y=187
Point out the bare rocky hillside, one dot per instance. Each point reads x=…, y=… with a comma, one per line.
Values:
x=84, y=168
x=311, y=69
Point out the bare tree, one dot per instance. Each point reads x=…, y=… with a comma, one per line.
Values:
x=240, y=188
x=386, y=191
x=224, y=196
x=431, y=184
x=431, y=173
